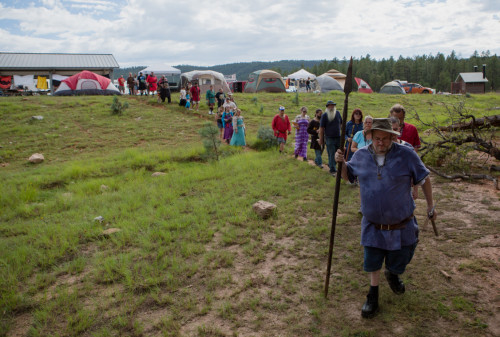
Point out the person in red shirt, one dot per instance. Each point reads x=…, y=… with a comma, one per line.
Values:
x=121, y=85
x=282, y=127
x=152, y=83
x=195, y=95
x=408, y=131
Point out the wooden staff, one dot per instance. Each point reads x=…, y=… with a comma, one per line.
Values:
x=347, y=91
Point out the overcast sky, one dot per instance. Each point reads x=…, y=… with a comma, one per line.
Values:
x=211, y=32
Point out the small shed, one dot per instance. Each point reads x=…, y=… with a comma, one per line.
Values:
x=473, y=83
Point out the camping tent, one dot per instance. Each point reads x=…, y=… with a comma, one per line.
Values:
x=327, y=83
x=302, y=74
x=86, y=83
x=392, y=87
x=205, y=78
x=363, y=86
x=265, y=80
x=336, y=75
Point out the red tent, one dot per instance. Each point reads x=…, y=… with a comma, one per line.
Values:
x=86, y=83
x=363, y=86
x=5, y=82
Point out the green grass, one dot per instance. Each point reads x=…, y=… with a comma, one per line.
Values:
x=191, y=257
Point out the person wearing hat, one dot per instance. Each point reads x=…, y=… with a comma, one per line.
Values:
x=389, y=231
x=281, y=127
x=329, y=133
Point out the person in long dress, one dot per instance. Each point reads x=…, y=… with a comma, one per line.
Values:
x=301, y=123
x=227, y=118
x=238, y=138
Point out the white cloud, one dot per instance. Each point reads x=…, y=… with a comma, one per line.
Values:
x=216, y=32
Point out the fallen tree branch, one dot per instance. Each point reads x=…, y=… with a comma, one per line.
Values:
x=465, y=176
x=489, y=120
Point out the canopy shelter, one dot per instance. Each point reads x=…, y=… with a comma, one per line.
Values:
x=86, y=83
x=393, y=88
x=161, y=69
x=337, y=75
x=302, y=74
x=327, y=83
x=363, y=86
x=205, y=79
x=265, y=80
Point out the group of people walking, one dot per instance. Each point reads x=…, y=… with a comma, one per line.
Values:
x=325, y=132
x=228, y=118
x=381, y=155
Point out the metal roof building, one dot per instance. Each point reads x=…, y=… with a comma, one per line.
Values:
x=48, y=64
x=474, y=83
x=62, y=64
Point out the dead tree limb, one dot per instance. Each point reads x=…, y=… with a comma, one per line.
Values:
x=479, y=122
x=465, y=176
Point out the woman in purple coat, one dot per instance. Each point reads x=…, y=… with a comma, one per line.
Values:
x=301, y=123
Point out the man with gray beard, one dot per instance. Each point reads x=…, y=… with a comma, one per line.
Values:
x=329, y=133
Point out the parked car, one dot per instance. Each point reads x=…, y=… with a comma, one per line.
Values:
x=415, y=88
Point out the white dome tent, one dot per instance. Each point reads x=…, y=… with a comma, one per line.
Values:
x=205, y=78
x=393, y=88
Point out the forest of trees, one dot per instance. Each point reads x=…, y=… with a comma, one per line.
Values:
x=435, y=71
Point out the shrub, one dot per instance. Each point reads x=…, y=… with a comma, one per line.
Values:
x=117, y=108
x=211, y=141
x=296, y=100
x=265, y=138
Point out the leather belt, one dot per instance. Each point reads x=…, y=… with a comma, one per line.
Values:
x=386, y=227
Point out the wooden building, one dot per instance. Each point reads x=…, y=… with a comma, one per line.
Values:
x=473, y=83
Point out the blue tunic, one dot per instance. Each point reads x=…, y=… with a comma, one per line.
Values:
x=387, y=200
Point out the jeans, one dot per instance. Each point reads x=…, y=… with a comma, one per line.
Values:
x=318, y=160
x=332, y=145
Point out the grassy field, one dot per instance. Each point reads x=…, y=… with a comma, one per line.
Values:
x=191, y=258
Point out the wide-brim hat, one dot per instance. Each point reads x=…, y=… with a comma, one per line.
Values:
x=330, y=102
x=383, y=124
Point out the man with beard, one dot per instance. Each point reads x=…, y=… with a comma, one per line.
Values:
x=389, y=230
x=329, y=133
